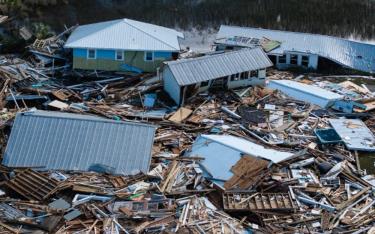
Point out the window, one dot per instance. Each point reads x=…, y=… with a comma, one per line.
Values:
x=204, y=83
x=254, y=73
x=244, y=75
x=234, y=77
x=91, y=54
x=174, y=55
x=294, y=59
x=149, y=56
x=119, y=55
x=305, y=61
x=282, y=59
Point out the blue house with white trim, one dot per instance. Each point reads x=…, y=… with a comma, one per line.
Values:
x=123, y=45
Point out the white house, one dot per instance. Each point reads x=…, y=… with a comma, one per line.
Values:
x=185, y=78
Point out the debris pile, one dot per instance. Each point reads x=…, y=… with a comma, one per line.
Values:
x=116, y=154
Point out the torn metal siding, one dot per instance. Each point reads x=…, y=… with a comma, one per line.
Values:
x=351, y=54
x=195, y=70
x=64, y=141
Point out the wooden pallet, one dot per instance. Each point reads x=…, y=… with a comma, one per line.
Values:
x=245, y=201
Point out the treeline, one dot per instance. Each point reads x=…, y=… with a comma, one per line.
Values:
x=334, y=17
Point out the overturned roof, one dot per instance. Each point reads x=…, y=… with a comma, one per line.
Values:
x=64, y=141
x=194, y=70
x=125, y=34
x=351, y=54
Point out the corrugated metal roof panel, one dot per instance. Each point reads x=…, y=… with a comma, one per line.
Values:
x=55, y=140
x=194, y=70
x=125, y=34
x=352, y=54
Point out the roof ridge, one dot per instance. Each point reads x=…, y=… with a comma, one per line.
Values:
x=187, y=60
x=125, y=21
x=98, y=31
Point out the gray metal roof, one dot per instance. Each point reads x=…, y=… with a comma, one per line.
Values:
x=351, y=54
x=125, y=34
x=194, y=70
x=64, y=141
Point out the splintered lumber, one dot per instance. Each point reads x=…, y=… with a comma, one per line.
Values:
x=32, y=185
x=353, y=199
x=246, y=172
x=168, y=182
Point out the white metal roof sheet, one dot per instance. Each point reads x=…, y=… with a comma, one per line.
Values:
x=194, y=70
x=351, y=54
x=125, y=34
x=354, y=133
x=249, y=147
x=308, y=89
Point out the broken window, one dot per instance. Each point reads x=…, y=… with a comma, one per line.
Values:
x=305, y=61
x=91, y=54
x=254, y=73
x=244, y=75
x=119, y=55
x=204, y=83
x=294, y=59
x=282, y=59
x=149, y=56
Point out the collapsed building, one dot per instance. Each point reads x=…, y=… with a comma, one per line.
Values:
x=117, y=156
x=295, y=49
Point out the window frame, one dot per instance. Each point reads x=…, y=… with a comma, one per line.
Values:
x=244, y=75
x=152, y=55
x=204, y=84
x=256, y=72
x=122, y=55
x=292, y=56
x=283, y=57
x=88, y=54
x=302, y=60
x=235, y=77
